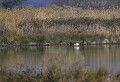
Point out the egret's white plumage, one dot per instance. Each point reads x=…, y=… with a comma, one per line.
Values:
x=76, y=44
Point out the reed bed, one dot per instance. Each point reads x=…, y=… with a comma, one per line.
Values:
x=69, y=13
x=55, y=12
x=56, y=74
x=20, y=25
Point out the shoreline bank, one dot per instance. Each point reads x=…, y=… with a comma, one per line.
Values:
x=56, y=44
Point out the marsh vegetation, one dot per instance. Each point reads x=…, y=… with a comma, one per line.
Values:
x=26, y=34
x=56, y=74
x=59, y=25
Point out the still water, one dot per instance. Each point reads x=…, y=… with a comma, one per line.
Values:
x=90, y=58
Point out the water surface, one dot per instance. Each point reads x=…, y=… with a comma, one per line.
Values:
x=90, y=58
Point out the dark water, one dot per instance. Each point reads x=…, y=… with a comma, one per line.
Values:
x=89, y=58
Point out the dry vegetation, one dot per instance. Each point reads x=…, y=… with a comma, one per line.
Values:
x=51, y=24
x=56, y=74
x=58, y=24
x=72, y=13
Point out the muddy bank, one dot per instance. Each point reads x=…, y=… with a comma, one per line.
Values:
x=36, y=44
